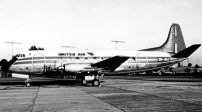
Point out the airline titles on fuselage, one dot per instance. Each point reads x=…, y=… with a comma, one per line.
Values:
x=75, y=54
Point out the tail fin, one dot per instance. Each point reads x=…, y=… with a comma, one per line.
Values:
x=187, y=52
x=174, y=43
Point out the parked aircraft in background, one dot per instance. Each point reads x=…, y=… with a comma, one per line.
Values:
x=89, y=65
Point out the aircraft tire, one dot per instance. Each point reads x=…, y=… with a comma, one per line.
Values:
x=84, y=82
x=28, y=84
x=95, y=82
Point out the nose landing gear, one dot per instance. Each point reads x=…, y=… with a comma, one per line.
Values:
x=27, y=82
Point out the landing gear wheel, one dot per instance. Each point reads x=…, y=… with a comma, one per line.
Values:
x=95, y=82
x=27, y=84
x=84, y=82
x=162, y=71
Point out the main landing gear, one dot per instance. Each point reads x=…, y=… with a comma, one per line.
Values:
x=162, y=71
x=93, y=79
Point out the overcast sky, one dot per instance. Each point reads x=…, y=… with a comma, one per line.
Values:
x=93, y=24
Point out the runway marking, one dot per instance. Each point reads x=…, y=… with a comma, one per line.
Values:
x=157, y=96
x=120, y=94
x=144, y=99
x=68, y=99
x=5, y=88
x=105, y=101
x=34, y=100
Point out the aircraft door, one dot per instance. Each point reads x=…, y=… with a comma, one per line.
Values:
x=38, y=61
x=141, y=60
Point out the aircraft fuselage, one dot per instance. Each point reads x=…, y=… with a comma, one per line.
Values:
x=37, y=62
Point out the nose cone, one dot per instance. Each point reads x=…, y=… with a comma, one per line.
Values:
x=17, y=69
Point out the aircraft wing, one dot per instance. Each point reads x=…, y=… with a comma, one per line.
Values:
x=111, y=63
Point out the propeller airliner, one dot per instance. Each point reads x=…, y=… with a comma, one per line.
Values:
x=88, y=66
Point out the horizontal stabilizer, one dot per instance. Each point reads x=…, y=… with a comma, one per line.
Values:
x=111, y=63
x=187, y=52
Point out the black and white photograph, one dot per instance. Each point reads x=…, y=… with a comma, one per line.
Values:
x=100, y=56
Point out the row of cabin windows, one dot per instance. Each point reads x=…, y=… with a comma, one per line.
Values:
x=37, y=58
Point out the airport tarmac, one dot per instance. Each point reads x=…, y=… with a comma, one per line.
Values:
x=117, y=93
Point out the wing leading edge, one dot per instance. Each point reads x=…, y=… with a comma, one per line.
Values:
x=111, y=63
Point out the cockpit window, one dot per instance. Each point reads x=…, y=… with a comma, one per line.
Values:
x=20, y=55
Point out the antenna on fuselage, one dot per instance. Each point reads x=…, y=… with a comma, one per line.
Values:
x=69, y=47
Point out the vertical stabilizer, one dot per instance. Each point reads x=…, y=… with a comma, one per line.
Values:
x=174, y=43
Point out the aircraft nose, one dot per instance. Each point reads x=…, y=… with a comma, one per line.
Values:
x=10, y=69
x=10, y=65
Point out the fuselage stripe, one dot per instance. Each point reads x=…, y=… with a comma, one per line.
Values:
x=89, y=57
